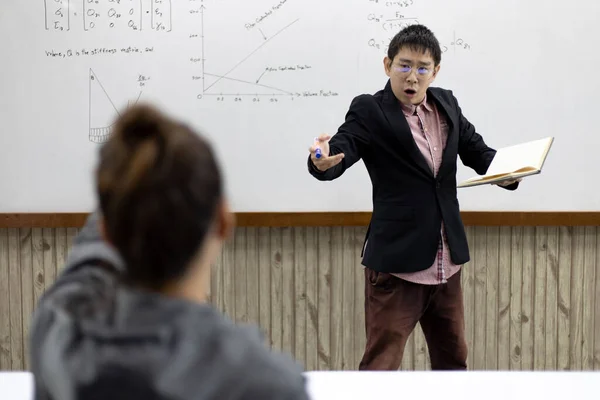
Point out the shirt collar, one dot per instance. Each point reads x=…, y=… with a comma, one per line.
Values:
x=410, y=109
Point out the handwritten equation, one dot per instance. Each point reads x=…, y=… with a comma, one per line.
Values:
x=394, y=23
x=456, y=44
x=58, y=15
x=396, y=4
x=389, y=17
x=134, y=15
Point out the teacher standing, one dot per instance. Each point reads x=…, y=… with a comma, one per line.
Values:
x=409, y=136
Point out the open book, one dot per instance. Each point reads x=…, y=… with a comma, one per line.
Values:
x=514, y=162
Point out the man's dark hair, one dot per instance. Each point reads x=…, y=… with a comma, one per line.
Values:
x=417, y=38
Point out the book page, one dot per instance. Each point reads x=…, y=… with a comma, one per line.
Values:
x=497, y=178
x=501, y=177
x=519, y=157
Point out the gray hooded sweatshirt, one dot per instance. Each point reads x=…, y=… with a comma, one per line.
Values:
x=94, y=338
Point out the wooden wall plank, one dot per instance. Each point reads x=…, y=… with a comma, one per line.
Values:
x=478, y=263
x=531, y=294
x=252, y=275
x=562, y=304
x=300, y=286
x=312, y=299
x=240, y=277
x=16, y=314
x=228, y=266
x=515, y=300
x=491, y=283
x=27, y=298
x=540, y=315
x=324, y=298
x=264, y=286
x=347, y=299
x=590, y=296
x=468, y=285
x=288, y=294
x=336, y=287
x=276, y=297
x=528, y=299
x=596, y=330
x=359, y=295
x=577, y=306
x=504, y=287
x=6, y=351
x=552, y=292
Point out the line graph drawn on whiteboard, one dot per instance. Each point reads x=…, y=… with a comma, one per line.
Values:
x=103, y=110
x=252, y=73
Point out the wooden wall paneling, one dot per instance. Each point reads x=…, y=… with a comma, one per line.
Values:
x=531, y=294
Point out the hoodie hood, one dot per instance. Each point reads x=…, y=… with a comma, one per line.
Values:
x=88, y=246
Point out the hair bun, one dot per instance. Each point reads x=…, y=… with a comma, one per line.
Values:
x=139, y=123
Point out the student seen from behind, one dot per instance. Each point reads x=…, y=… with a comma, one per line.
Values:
x=128, y=317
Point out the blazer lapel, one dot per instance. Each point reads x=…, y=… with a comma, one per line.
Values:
x=450, y=114
x=393, y=112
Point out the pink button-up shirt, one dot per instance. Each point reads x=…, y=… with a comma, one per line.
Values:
x=430, y=132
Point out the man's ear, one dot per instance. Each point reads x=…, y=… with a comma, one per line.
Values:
x=225, y=221
x=436, y=70
x=387, y=65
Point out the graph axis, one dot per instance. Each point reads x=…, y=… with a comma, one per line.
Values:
x=225, y=76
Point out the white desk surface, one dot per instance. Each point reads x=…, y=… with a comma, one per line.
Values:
x=493, y=385
x=350, y=385
x=16, y=385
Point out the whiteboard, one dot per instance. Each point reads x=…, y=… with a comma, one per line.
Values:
x=262, y=78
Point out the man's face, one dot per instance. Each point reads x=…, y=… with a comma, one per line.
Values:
x=411, y=72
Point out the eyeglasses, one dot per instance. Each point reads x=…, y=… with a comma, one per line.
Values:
x=405, y=69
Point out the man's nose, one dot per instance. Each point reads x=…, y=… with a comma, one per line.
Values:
x=412, y=76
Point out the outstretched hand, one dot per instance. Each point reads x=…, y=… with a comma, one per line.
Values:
x=323, y=162
x=509, y=182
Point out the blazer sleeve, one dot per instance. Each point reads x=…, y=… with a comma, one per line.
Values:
x=352, y=138
x=472, y=149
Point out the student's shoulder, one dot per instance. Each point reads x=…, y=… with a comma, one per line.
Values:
x=254, y=370
x=272, y=375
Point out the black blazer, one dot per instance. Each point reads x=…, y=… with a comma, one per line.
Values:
x=409, y=203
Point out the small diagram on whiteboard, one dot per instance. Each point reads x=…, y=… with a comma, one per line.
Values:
x=103, y=111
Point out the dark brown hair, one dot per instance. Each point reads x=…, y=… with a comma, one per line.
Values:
x=159, y=186
x=418, y=38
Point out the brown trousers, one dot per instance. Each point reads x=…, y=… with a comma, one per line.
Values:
x=393, y=307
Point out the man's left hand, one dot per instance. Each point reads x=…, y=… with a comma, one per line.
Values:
x=508, y=182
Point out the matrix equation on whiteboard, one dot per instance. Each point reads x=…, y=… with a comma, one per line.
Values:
x=135, y=15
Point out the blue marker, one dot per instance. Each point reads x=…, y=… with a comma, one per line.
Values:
x=318, y=150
